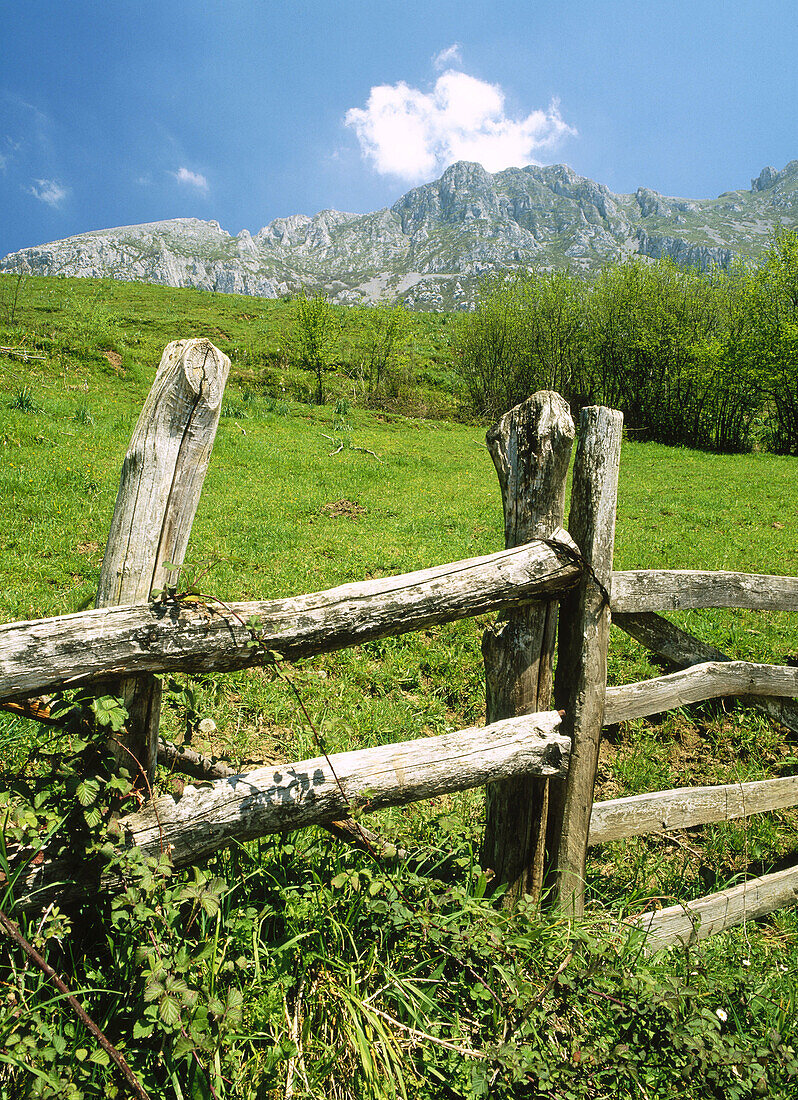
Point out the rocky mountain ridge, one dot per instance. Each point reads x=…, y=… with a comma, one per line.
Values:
x=431, y=247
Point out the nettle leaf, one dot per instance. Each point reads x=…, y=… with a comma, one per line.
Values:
x=183, y=1048
x=235, y=1005
x=169, y=1011
x=88, y=791
x=93, y=817
x=177, y=986
x=109, y=711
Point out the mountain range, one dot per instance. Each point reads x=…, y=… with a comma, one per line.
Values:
x=432, y=247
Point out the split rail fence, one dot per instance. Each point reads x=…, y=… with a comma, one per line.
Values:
x=538, y=752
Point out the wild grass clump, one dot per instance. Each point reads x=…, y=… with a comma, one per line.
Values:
x=24, y=401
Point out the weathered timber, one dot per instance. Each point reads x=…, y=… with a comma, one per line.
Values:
x=685, y=807
x=291, y=796
x=205, y=636
x=582, y=657
x=162, y=478
x=677, y=647
x=186, y=761
x=312, y=792
x=710, y=680
x=531, y=448
x=681, y=589
x=696, y=920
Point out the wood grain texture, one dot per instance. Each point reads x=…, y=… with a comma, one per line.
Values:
x=685, y=807
x=681, y=589
x=530, y=447
x=582, y=656
x=710, y=680
x=184, y=760
x=676, y=647
x=163, y=472
x=197, y=636
x=685, y=924
x=311, y=792
x=162, y=478
x=290, y=796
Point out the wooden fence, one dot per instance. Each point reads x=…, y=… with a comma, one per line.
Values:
x=537, y=761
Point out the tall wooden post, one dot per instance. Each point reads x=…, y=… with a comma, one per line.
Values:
x=162, y=477
x=531, y=448
x=581, y=679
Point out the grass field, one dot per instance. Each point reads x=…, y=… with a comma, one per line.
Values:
x=281, y=514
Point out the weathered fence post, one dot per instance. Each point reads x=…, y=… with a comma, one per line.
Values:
x=162, y=477
x=581, y=679
x=531, y=448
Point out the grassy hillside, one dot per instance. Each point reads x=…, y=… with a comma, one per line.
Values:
x=313, y=953
x=112, y=332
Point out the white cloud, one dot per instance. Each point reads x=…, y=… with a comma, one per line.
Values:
x=448, y=56
x=413, y=134
x=193, y=179
x=49, y=191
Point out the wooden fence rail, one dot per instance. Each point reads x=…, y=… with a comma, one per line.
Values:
x=710, y=680
x=247, y=805
x=539, y=765
x=686, y=807
x=203, y=635
x=683, y=589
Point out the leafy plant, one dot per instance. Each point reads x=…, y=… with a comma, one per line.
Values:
x=316, y=337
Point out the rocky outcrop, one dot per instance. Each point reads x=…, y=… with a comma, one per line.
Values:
x=432, y=247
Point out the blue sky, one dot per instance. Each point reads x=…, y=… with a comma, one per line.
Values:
x=119, y=112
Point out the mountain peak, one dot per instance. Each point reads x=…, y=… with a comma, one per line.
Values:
x=432, y=247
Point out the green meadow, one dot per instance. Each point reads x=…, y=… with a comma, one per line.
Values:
x=313, y=971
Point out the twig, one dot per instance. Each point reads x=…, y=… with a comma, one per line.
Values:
x=293, y=1027
x=680, y=844
x=469, y=1052
x=22, y=353
x=13, y=933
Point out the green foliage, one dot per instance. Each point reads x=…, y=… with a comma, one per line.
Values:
x=701, y=359
x=768, y=340
x=527, y=334
x=316, y=337
x=382, y=349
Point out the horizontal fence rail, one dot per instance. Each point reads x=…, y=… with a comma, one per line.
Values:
x=676, y=647
x=246, y=805
x=683, y=589
x=686, y=807
x=203, y=635
x=290, y=796
x=710, y=680
x=696, y=920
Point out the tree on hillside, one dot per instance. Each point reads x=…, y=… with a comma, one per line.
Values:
x=383, y=344
x=315, y=337
x=770, y=344
x=526, y=334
